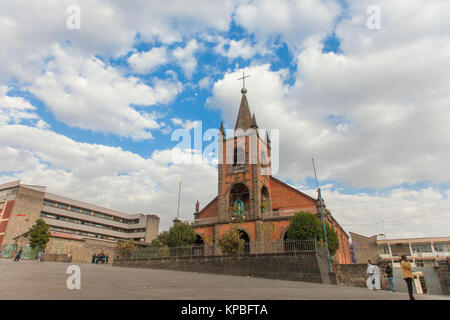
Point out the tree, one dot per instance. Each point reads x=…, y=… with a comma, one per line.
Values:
x=305, y=225
x=231, y=241
x=126, y=248
x=332, y=239
x=179, y=235
x=39, y=234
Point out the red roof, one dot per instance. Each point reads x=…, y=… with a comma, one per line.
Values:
x=65, y=235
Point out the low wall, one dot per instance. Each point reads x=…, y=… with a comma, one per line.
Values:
x=55, y=257
x=352, y=275
x=355, y=275
x=299, y=267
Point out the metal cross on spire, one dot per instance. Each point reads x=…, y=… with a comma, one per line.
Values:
x=243, y=80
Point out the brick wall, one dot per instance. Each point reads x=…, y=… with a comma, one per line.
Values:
x=304, y=267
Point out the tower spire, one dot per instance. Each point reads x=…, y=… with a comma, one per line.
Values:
x=244, y=119
x=222, y=130
x=254, y=125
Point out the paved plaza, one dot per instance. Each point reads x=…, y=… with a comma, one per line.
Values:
x=47, y=280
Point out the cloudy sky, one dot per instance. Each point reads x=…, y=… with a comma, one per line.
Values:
x=88, y=106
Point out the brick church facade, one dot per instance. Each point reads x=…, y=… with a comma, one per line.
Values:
x=244, y=180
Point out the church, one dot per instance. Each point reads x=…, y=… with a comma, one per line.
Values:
x=246, y=187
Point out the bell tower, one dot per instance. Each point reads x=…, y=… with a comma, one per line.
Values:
x=244, y=169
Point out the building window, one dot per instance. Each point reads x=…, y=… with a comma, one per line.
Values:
x=420, y=248
x=75, y=209
x=419, y=263
x=50, y=203
x=441, y=247
x=63, y=206
x=239, y=156
x=383, y=250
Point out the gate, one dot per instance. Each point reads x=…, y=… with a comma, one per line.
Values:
x=9, y=249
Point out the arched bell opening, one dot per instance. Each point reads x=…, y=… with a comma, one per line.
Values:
x=239, y=200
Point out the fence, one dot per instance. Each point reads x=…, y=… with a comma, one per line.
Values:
x=250, y=248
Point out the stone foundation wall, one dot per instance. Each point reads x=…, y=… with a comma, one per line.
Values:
x=304, y=267
x=82, y=250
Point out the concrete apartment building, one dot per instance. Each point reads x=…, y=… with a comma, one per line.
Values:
x=422, y=252
x=78, y=227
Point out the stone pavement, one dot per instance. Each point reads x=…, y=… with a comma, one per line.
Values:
x=47, y=280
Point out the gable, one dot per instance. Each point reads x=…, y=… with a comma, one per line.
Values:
x=283, y=196
x=210, y=210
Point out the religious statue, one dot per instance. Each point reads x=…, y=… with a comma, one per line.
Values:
x=197, y=207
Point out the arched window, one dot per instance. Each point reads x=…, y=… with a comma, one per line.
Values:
x=198, y=248
x=243, y=235
x=239, y=156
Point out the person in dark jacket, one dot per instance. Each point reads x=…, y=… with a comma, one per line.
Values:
x=18, y=255
x=94, y=257
x=390, y=275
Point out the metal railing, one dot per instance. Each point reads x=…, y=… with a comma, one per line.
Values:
x=214, y=250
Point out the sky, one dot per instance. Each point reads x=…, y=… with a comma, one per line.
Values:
x=92, y=92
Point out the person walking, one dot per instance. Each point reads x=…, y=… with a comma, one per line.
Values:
x=107, y=258
x=390, y=275
x=69, y=257
x=18, y=255
x=407, y=276
x=370, y=271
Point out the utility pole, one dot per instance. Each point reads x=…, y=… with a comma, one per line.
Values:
x=323, y=216
x=389, y=246
x=176, y=220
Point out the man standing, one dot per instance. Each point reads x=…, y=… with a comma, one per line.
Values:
x=407, y=276
x=370, y=271
x=390, y=275
x=18, y=255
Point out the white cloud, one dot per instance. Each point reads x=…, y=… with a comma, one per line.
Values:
x=106, y=176
x=86, y=93
x=233, y=49
x=186, y=124
x=28, y=29
x=204, y=82
x=294, y=21
x=185, y=57
x=15, y=109
x=145, y=62
x=399, y=213
x=371, y=118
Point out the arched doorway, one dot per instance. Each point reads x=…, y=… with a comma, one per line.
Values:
x=198, y=248
x=243, y=235
x=287, y=245
x=239, y=200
